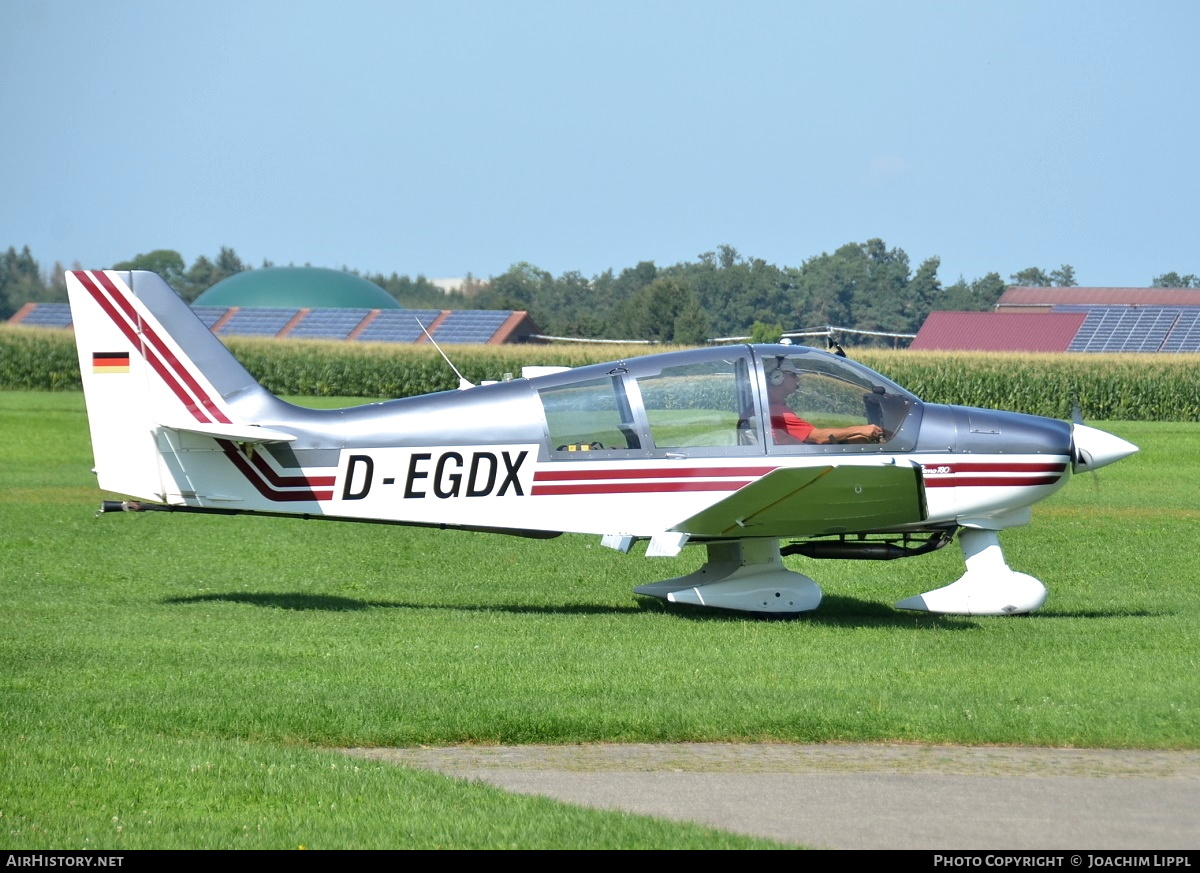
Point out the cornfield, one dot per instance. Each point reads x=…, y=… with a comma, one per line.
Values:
x=1123, y=387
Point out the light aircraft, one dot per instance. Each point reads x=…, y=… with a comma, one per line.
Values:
x=673, y=448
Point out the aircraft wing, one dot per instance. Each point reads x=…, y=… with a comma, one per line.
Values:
x=811, y=501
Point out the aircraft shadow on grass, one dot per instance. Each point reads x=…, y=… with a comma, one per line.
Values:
x=841, y=611
x=302, y=602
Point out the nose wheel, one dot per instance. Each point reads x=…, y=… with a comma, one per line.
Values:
x=989, y=587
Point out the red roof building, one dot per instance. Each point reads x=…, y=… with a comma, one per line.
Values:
x=1036, y=297
x=1054, y=319
x=998, y=331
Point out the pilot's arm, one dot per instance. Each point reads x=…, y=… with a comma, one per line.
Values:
x=860, y=433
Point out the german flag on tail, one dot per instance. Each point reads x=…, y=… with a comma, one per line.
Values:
x=110, y=362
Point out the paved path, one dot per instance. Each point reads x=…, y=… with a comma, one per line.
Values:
x=863, y=797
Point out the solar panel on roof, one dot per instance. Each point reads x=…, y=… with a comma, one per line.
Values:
x=210, y=315
x=49, y=315
x=388, y=325
x=470, y=326
x=1185, y=335
x=1132, y=329
x=328, y=324
x=398, y=325
x=258, y=322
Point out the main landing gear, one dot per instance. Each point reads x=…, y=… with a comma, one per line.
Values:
x=743, y=575
x=748, y=575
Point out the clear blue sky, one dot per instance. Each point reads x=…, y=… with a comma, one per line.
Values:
x=441, y=138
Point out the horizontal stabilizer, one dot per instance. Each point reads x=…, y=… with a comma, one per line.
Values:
x=242, y=433
x=812, y=501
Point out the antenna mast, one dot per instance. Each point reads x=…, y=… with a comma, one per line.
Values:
x=463, y=383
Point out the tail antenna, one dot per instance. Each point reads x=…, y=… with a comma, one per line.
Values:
x=463, y=382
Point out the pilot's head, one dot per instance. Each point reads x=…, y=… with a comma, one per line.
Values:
x=782, y=375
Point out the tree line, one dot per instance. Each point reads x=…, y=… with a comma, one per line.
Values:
x=863, y=286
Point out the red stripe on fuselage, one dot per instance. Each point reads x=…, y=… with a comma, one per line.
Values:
x=988, y=482
x=639, y=487
x=1005, y=475
x=278, y=481
x=1003, y=467
x=985, y=475
x=264, y=487
x=561, y=475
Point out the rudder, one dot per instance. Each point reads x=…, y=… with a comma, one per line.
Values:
x=148, y=362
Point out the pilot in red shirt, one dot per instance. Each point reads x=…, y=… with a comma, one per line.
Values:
x=789, y=428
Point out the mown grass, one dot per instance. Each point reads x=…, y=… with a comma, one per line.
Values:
x=184, y=681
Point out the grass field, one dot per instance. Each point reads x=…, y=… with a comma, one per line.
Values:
x=185, y=681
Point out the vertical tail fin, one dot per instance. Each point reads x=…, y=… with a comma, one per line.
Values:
x=149, y=363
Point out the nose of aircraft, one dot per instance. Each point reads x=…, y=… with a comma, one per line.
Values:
x=1092, y=448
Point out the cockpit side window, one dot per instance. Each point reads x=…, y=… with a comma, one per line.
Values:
x=589, y=416
x=825, y=401
x=696, y=404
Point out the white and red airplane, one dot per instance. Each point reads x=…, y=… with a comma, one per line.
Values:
x=736, y=448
